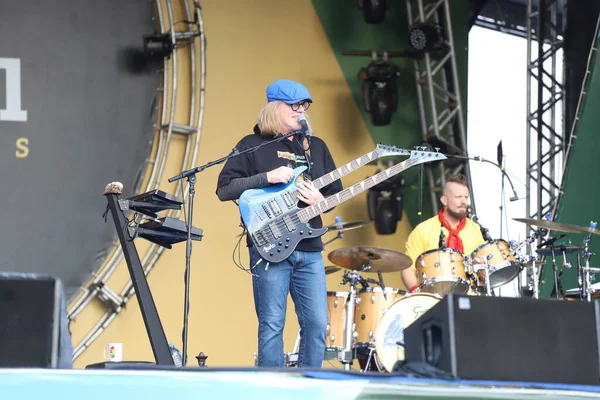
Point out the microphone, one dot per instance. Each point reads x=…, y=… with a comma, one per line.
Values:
x=485, y=233
x=304, y=125
x=515, y=197
x=305, y=133
x=381, y=284
x=551, y=241
x=442, y=243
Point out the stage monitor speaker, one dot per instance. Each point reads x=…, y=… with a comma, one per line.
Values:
x=508, y=339
x=29, y=325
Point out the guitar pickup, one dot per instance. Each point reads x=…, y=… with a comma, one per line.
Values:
x=289, y=224
x=267, y=211
x=289, y=200
x=274, y=207
x=259, y=238
x=275, y=230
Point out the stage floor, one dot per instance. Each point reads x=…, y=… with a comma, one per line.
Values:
x=194, y=383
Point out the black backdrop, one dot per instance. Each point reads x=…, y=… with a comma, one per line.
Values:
x=89, y=122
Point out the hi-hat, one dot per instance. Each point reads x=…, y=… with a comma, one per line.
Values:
x=330, y=269
x=360, y=258
x=555, y=226
x=345, y=226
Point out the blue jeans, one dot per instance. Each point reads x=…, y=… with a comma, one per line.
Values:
x=302, y=275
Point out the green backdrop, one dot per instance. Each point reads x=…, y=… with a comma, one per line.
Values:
x=580, y=202
x=346, y=30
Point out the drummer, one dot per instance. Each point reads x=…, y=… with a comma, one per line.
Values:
x=459, y=232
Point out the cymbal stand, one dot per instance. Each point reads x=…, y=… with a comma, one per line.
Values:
x=345, y=355
x=340, y=234
x=586, y=294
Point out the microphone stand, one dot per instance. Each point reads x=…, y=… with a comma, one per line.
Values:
x=420, y=194
x=502, y=204
x=479, y=158
x=190, y=175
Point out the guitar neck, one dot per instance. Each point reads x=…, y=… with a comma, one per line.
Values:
x=308, y=213
x=344, y=170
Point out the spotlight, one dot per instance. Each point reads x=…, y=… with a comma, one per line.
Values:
x=424, y=37
x=386, y=205
x=379, y=91
x=373, y=10
x=157, y=45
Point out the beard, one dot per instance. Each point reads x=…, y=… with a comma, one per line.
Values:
x=457, y=214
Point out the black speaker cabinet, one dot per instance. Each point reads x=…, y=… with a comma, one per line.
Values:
x=29, y=328
x=508, y=339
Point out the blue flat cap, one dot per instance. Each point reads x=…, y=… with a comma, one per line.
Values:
x=289, y=92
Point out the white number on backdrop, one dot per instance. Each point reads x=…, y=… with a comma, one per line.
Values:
x=13, y=111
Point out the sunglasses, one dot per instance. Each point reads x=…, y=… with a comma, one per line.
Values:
x=304, y=104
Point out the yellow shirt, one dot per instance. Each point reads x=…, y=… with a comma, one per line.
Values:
x=426, y=236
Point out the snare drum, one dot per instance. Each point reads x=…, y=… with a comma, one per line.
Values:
x=371, y=305
x=442, y=271
x=390, y=333
x=502, y=265
x=336, y=319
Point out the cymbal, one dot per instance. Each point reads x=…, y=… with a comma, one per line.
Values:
x=345, y=226
x=547, y=251
x=554, y=226
x=330, y=269
x=356, y=258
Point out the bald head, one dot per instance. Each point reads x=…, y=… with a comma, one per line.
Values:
x=455, y=197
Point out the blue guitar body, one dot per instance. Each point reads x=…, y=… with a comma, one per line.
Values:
x=269, y=215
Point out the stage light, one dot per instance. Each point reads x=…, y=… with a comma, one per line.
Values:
x=424, y=37
x=386, y=205
x=373, y=10
x=158, y=45
x=380, y=91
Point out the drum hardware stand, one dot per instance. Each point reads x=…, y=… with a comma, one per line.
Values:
x=557, y=284
x=339, y=235
x=291, y=359
x=585, y=292
x=345, y=355
x=486, y=274
x=368, y=364
x=540, y=233
x=488, y=284
x=536, y=285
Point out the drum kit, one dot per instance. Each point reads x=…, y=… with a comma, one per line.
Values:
x=366, y=322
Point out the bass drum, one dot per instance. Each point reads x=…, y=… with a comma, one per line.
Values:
x=391, y=328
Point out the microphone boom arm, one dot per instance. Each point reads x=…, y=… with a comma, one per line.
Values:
x=479, y=158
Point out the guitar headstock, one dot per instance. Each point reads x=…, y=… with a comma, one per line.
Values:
x=422, y=154
x=384, y=150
